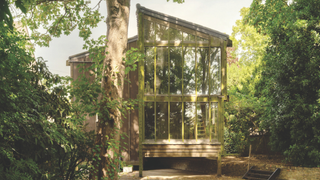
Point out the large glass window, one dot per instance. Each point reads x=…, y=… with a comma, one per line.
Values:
x=189, y=120
x=180, y=79
x=149, y=120
x=202, y=73
x=162, y=120
x=162, y=73
x=176, y=62
x=176, y=120
x=149, y=70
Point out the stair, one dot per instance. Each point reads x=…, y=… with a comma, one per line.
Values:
x=261, y=175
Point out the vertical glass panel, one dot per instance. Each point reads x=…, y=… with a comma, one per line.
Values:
x=202, y=71
x=176, y=70
x=149, y=30
x=175, y=35
x=214, y=119
x=161, y=32
x=215, y=70
x=189, y=74
x=188, y=37
x=149, y=71
x=149, y=120
x=162, y=120
x=162, y=74
x=189, y=120
x=175, y=120
x=203, y=120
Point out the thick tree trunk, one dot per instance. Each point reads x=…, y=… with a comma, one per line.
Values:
x=110, y=121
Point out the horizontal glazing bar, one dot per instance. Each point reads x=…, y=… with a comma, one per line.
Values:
x=176, y=43
x=185, y=98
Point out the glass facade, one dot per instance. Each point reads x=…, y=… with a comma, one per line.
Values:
x=182, y=76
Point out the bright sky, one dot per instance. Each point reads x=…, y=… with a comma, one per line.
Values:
x=219, y=15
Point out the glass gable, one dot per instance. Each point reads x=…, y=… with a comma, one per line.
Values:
x=182, y=77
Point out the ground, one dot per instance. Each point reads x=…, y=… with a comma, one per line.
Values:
x=232, y=168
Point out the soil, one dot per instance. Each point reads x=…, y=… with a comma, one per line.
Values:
x=257, y=159
x=233, y=167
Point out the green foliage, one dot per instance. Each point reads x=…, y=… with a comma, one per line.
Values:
x=243, y=117
x=38, y=137
x=291, y=76
x=249, y=46
x=89, y=98
x=244, y=111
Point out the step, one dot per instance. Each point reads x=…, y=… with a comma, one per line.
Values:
x=260, y=174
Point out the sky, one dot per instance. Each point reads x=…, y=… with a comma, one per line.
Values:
x=219, y=15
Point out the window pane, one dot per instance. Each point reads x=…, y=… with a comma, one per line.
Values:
x=202, y=40
x=189, y=71
x=149, y=71
x=214, y=119
x=149, y=120
x=161, y=32
x=189, y=120
x=175, y=70
x=202, y=71
x=215, y=70
x=162, y=120
x=149, y=31
x=203, y=120
x=175, y=120
x=175, y=35
x=162, y=70
x=188, y=37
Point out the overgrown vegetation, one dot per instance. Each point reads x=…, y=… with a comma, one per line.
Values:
x=281, y=94
x=291, y=76
x=244, y=111
x=40, y=137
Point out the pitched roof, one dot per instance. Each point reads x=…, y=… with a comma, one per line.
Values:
x=181, y=22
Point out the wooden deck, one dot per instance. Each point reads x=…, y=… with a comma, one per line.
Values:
x=177, y=148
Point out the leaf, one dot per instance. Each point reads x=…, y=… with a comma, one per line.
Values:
x=20, y=5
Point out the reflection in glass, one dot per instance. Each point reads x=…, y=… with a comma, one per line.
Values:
x=149, y=30
x=214, y=119
x=188, y=37
x=202, y=40
x=175, y=35
x=162, y=120
x=203, y=120
x=149, y=120
x=175, y=70
x=162, y=74
x=189, y=71
x=161, y=32
x=202, y=71
x=215, y=70
x=189, y=120
x=149, y=71
x=175, y=120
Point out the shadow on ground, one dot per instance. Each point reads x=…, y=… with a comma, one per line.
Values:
x=171, y=174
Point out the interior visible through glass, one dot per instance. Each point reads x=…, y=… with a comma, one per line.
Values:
x=176, y=70
x=149, y=70
x=190, y=68
x=175, y=120
x=162, y=120
x=149, y=120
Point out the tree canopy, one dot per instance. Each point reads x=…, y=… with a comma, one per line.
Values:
x=290, y=76
x=244, y=110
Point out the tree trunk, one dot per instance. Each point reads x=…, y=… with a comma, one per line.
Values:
x=109, y=124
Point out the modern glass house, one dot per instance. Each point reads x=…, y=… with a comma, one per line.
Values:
x=182, y=85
